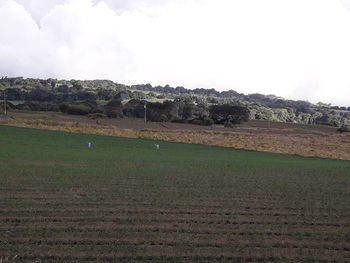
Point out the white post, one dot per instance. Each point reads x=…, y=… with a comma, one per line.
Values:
x=145, y=107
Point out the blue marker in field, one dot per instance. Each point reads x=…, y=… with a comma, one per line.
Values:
x=88, y=144
x=157, y=146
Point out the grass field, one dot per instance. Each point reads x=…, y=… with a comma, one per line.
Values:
x=124, y=201
x=286, y=138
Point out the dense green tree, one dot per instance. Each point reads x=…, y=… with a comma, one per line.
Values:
x=114, y=109
x=124, y=95
x=226, y=113
x=40, y=94
x=134, y=108
x=166, y=111
x=106, y=94
x=87, y=95
x=14, y=94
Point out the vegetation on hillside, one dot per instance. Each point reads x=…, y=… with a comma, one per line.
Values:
x=107, y=98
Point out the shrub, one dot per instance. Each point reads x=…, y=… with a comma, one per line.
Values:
x=228, y=124
x=95, y=116
x=179, y=120
x=205, y=121
x=9, y=106
x=64, y=107
x=79, y=109
x=39, y=106
x=76, y=109
x=344, y=129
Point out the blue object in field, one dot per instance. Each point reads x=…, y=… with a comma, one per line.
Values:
x=88, y=144
x=157, y=146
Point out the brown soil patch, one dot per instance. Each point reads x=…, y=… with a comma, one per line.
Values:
x=304, y=140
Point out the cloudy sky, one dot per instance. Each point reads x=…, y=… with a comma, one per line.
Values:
x=297, y=49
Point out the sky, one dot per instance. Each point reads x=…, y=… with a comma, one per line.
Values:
x=296, y=49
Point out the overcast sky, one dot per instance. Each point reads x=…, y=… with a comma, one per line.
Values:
x=297, y=49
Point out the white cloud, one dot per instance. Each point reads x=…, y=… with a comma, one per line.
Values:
x=75, y=40
x=39, y=8
x=89, y=42
x=22, y=48
x=346, y=3
x=297, y=49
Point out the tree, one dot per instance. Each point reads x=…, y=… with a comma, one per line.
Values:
x=166, y=111
x=14, y=94
x=134, y=108
x=187, y=111
x=105, y=94
x=86, y=95
x=63, y=88
x=226, y=113
x=40, y=94
x=114, y=109
x=124, y=95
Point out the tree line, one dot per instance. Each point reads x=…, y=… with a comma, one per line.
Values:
x=168, y=111
x=195, y=106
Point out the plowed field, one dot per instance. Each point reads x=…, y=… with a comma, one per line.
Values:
x=124, y=201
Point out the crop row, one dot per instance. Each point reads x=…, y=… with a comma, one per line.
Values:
x=121, y=220
x=87, y=253
x=89, y=211
x=237, y=197
x=122, y=230
x=176, y=259
x=171, y=209
x=224, y=244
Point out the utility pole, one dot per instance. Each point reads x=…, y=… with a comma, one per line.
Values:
x=145, y=107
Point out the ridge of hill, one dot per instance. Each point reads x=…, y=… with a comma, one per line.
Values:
x=261, y=107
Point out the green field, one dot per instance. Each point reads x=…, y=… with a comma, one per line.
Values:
x=124, y=201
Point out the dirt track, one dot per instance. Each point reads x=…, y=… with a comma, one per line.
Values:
x=305, y=140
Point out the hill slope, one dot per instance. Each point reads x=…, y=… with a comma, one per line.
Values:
x=262, y=107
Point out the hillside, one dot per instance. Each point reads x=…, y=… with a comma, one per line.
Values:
x=47, y=95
